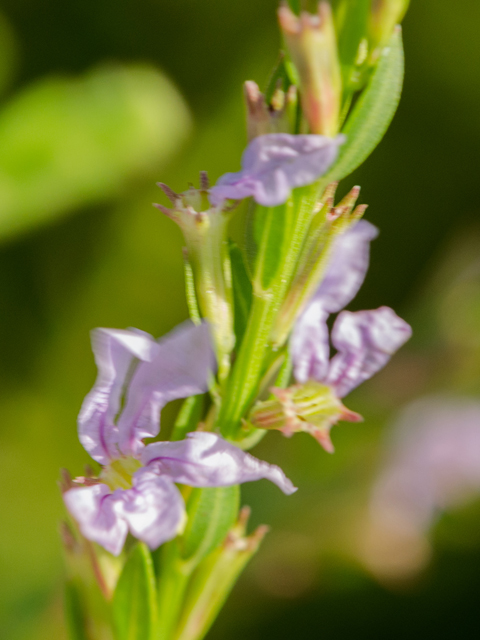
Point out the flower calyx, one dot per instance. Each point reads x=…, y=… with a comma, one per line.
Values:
x=269, y=116
x=311, y=407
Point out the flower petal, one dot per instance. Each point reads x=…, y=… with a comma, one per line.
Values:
x=153, y=508
x=309, y=344
x=347, y=267
x=365, y=341
x=95, y=510
x=207, y=460
x=180, y=367
x=114, y=351
x=275, y=163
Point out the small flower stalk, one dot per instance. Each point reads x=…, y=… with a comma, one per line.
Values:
x=154, y=533
x=311, y=42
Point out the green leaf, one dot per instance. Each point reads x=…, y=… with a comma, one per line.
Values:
x=211, y=513
x=134, y=601
x=70, y=142
x=74, y=613
x=242, y=292
x=188, y=417
x=373, y=111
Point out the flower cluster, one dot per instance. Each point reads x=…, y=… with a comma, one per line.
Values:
x=136, y=490
x=364, y=342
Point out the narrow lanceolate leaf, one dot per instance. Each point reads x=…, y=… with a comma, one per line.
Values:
x=373, y=111
x=242, y=293
x=134, y=601
x=75, y=614
x=211, y=513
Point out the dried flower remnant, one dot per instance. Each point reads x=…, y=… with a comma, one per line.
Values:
x=136, y=489
x=276, y=163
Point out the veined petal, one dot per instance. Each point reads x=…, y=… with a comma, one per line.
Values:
x=95, y=510
x=207, y=460
x=309, y=344
x=275, y=163
x=347, y=267
x=114, y=351
x=365, y=341
x=153, y=508
x=180, y=367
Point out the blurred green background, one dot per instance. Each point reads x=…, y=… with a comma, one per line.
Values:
x=99, y=100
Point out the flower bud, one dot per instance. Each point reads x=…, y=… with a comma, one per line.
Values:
x=312, y=45
x=311, y=407
x=384, y=15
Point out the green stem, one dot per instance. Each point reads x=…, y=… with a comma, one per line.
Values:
x=248, y=369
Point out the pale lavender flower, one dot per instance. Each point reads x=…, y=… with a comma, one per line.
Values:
x=364, y=340
x=276, y=163
x=136, y=489
x=432, y=465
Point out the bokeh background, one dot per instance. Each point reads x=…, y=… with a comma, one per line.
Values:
x=99, y=100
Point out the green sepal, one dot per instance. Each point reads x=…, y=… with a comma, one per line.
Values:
x=211, y=513
x=190, y=294
x=373, y=112
x=134, y=605
x=75, y=615
x=242, y=293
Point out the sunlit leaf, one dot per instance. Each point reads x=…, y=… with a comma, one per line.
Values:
x=134, y=601
x=373, y=111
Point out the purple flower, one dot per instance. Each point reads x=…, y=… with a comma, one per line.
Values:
x=433, y=462
x=136, y=489
x=276, y=163
x=364, y=340
x=432, y=465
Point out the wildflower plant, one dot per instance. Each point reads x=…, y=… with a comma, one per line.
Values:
x=155, y=539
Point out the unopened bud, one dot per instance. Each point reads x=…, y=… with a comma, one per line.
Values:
x=311, y=407
x=384, y=15
x=311, y=41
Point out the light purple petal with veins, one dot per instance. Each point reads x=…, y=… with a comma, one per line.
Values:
x=114, y=352
x=365, y=341
x=95, y=510
x=345, y=274
x=153, y=508
x=275, y=163
x=180, y=367
x=347, y=267
x=309, y=344
x=206, y=460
